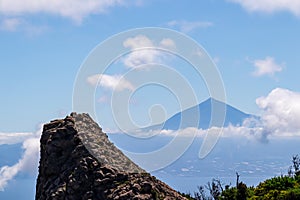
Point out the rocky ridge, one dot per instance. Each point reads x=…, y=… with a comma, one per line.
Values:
x=78, y=162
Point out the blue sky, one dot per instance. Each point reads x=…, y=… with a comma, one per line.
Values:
x=42, y=50
x=254, y=43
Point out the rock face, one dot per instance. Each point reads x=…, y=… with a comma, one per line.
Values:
x=78, y=162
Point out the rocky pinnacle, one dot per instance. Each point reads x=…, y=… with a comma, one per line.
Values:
x=78, y=162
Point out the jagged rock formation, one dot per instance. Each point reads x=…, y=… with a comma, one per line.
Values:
x=78, y=162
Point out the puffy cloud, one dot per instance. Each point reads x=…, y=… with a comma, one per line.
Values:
x=270, y=6
x=186, y=26
x=266, y=66
x=145, y=51
x=281, y=112
x=29, y=161
x=112, y=82
x=139, y=41
x=73, y=9
x=168, y=43
x=142, y=57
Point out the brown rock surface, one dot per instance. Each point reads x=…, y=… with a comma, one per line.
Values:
x=79, y=162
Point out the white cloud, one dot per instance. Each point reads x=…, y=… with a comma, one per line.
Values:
x=29, y=161
x=270, y=6
x=112, y=82
x=103, y=99
x=14, y=24
x=14, y=138
x=229, y=131
x=10, y=24
x=140, y=55
x=186, y=26
x=199, y=53
x=73, y=9
x=6, y=174
x=281, y=112
x=266, y=66
x=168, y=43
x=139, y=41
x=185, y=169
x=216, y=59
x=145, y=51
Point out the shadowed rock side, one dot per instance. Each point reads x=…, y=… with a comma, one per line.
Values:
x=79, y=162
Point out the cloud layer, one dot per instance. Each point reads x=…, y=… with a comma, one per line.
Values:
x=29, y=161
x=14, y=138
x=270, y=6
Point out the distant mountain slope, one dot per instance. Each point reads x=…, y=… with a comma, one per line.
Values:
x=233, y=116
x=143, y=145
